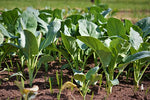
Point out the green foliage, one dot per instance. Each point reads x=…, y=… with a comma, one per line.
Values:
x=110, y=56
x=103, y=52
x=10, y=18
x=35, y=36
x=144, y=25
x=85, y=80
x=53, y=28
x=87, y=28
x=115, y=28
x=1, y=38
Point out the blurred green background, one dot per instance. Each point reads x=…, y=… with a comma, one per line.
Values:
x=130, y=9
x=119, y=4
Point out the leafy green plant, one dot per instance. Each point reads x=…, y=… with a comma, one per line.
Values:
x=141, y=60
x=85, y=80
x=31, y=44
x=110, y=56
x=139, y=51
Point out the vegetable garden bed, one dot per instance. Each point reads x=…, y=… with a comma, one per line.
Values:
x=75, y=54
x=125, y=90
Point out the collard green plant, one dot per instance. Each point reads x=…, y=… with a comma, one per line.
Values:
x=10, y=18
x=141, y=63
x=33, y=35
x=31, y=44
x=77, y=50
x=109, y=56
x=144, y=25
x=85, y=80
x=138, y=54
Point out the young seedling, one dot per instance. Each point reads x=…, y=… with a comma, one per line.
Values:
x=50, y=85
x=137, y=59
x=59, y=83
x=85, y=80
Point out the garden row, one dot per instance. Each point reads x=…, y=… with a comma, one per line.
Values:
x=37, y=37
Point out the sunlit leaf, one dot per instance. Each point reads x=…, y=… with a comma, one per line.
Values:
x=137, y=56
x=135, y=39
x=1, y=38
x=87, y=28
x=102, y=51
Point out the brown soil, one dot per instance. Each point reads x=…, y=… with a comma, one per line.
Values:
x=124, y=91
x=133, y=16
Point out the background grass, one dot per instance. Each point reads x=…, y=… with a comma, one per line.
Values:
x=118, y=4
x=132, y=9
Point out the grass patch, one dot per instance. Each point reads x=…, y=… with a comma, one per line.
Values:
x=128, y=4
x=40, y=4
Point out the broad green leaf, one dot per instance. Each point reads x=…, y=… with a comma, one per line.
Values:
x=68, y=22
x=115, y=82
x=66, y=31
x=46, y=15
x=7, y=48
x=28, y=21
x=28, y=43
x=107, y=42
x=4, y=31
x=10, y=18
x=70, y=44
x=121, y=67
x=144, y=24
x=115, y=28
x=41, y=23
x=95, y=77
x=44, y=59
x=137, y=56
x=144, y=47
x=53, y=28
x=116, y=44
x=75, y=18
x=87, y=28
x=91, y=72
x=1, y=38
x=95, y=9
x=96, y=17
x=115, y=47
x=81, y=44
x=102, y=51
x=79, y=76
x=135, y=38
x=127, y=25
x=57, y=13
